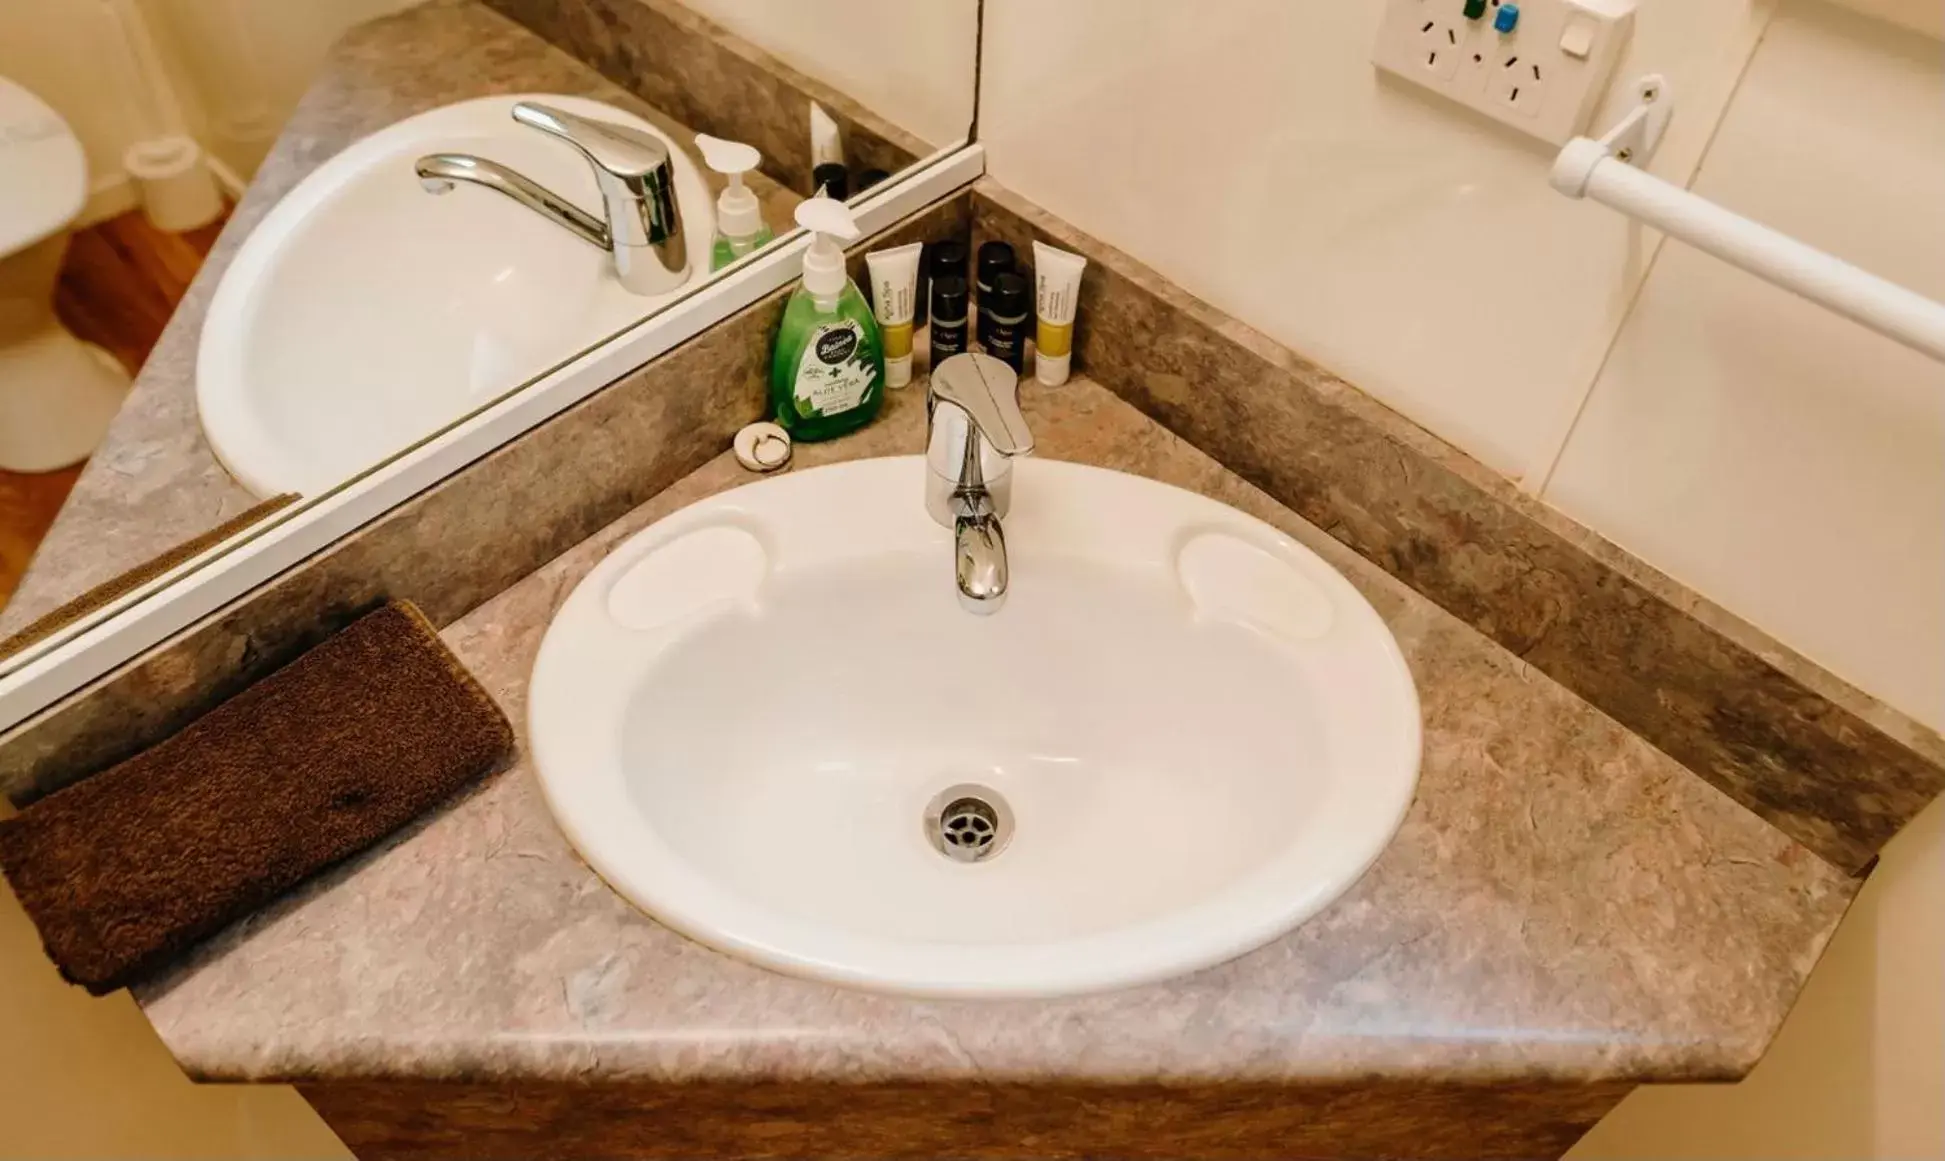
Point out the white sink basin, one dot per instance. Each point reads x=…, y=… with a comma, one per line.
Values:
x=1189, y=731
x=364, y=314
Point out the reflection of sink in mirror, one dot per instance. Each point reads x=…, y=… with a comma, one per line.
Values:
x=365, y=314
x=768, y=721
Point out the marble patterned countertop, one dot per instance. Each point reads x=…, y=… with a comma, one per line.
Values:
x=154, y=482
x=1563, y=901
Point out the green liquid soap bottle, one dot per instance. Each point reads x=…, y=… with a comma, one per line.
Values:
x=740, y=228
x=827, y=374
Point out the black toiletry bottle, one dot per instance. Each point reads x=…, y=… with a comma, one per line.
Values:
x=942, y=260
x=1003, y=319
x=995, y=259
x=949, y=320
x=832, y=180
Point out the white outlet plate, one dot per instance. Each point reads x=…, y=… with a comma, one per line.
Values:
x=1526, y=78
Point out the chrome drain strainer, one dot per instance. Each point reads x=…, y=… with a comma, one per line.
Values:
x=968, y=823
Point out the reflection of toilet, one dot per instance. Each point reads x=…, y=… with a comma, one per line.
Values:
x=57, y=393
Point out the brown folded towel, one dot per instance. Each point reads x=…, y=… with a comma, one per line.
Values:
x=308, y=767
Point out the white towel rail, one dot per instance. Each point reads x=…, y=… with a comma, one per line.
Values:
x=1604, y=171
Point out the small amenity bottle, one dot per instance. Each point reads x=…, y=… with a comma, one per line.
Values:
x=942, y=260
x=948, y=317
x=1003, y=320
x=740, y=228
x=827, y=373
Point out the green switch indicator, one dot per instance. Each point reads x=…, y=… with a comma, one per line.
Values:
x=1475, y=9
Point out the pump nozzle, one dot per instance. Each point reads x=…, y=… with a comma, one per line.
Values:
x=732, y=159
x=821, y=215
x=828, y=220
x=738, y=215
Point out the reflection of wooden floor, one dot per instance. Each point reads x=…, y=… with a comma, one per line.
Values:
x=120, y=283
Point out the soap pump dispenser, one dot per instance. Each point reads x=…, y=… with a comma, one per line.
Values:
x=827, y=374
x=740, y=228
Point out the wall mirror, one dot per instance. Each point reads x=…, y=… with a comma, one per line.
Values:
x=391, y=236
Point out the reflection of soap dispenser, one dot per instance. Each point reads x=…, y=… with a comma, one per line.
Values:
x=740, y=228
x=827, y=375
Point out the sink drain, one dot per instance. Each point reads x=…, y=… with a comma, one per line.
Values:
x=968, y=824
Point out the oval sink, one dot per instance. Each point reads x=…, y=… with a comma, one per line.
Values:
x=767, y=721
x=364, y=313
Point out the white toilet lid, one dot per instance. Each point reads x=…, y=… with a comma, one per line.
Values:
x=43, y=175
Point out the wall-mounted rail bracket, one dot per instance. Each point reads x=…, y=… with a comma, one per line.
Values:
x=1633, y=140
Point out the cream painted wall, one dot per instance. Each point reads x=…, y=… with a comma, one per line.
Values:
x=910, y=61
x=250, y=60
x=237, y=67
x=64, y=50
x=86, y=1078
x=1924, y=16
x=1785, y=463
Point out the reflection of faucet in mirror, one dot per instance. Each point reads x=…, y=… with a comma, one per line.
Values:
x=973, y=430
x=636, y=176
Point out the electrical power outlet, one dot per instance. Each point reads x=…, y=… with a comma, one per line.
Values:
x=1543, y=75
x=1519, y=83
x=1440, y=38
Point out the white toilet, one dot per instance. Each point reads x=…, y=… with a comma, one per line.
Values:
x=57, y=393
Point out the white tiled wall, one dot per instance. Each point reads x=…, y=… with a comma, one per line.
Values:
x=1248, y=150
x=1782, y=461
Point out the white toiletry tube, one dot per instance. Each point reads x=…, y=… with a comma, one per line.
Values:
x=826, y=145
x=1057, y=293
x=894, y=298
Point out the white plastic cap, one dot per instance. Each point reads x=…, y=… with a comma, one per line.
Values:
x=828, y=220
x=738, y=215
x=1052, y=370
x=762, y=447
x=898, y=370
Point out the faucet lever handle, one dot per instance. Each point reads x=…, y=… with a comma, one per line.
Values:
x=620, y=150
x=988, y=391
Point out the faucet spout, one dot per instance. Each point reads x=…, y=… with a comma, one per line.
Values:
x=438, y=172
x=635, y=173
x=979, y=560
x=974, y=429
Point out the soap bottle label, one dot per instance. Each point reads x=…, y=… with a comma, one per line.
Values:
x=834, y=373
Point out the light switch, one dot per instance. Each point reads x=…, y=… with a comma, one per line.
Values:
x=1578, y=40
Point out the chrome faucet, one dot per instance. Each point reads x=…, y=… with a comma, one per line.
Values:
x=973, y=430
x=635, y=173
